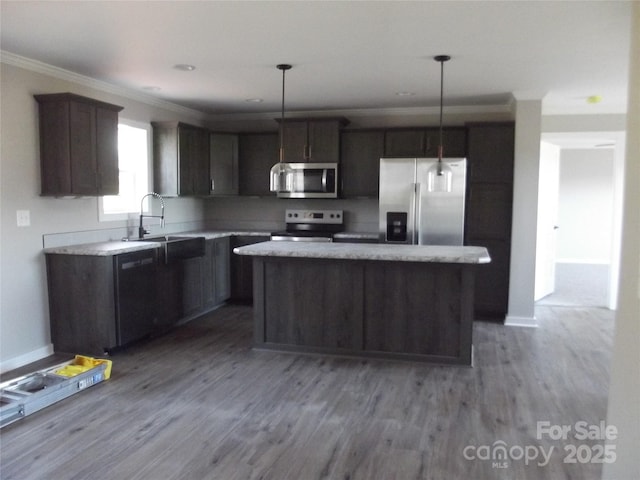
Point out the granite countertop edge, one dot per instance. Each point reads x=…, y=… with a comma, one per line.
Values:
x=377, y=252
x=116, y=247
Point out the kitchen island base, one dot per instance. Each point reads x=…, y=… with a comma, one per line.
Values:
x=420, y=311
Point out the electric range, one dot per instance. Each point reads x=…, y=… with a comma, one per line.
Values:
x=310, y=226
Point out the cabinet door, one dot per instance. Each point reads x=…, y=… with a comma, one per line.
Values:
x=257, y=153
x=360, y=162
x=222, y=270
x=242, y=270
x=324, y=141
x=296, y=135
x=55, y=166
x=193, y=161
x=223, y=165
x=192, y=291
x=491, y=153
x=454, y=142
x=206, y=279
x=107, y=152
x=209, y=283
x=84, y=169
x=405, y=143
x=170, y=285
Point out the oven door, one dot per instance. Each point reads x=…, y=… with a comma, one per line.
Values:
x=313, y=180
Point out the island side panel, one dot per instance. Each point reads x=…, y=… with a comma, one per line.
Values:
x=413, y=308
x=313, y=303
x=405, y=310
x=259, y=308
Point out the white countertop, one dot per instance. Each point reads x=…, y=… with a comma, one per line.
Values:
x=369, y=251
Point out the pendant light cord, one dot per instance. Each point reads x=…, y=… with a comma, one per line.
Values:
x=282, y=121
x=441, y=59
x=440, y=147
x=284, y=67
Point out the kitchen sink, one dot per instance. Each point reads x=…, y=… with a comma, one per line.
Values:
x=176, y=247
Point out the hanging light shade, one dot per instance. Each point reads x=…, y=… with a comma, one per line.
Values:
x=281, y=176
x=440, y=176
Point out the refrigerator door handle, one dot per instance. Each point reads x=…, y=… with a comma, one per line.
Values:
x=417, y=214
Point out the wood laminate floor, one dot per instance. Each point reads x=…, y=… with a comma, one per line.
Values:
x=199, y=403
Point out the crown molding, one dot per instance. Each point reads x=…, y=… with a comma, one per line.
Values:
x=62, y=74
x=366, y=112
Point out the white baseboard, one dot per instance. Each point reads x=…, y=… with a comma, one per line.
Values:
x=514, y=321
x=584, y=261
x=25, y=359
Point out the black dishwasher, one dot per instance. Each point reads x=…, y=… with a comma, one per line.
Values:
x=136, y=274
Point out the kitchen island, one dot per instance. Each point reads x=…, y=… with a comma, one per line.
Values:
x=390, y=301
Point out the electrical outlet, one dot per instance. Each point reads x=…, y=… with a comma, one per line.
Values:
x=24, y=218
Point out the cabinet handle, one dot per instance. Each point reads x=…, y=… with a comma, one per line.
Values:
x=307, y=152
x=213, y=185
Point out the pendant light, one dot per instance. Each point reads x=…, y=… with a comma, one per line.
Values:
x=440, y=175
x=281, y=177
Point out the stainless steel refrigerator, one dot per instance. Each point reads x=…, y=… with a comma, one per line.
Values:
x=422, y=201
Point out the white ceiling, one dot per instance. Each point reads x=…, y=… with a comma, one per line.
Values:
x=345, y=55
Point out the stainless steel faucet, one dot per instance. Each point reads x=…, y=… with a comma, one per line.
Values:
x=141, y=230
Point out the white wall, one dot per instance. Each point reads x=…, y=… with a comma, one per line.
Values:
x=585, y=213
x=525, y=213
x=624, y=388
x=24, y=318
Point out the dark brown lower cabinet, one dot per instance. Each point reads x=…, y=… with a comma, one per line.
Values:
x=241, y=269
x=98, y=303
x=403, y=310
x=101, y=302
x=205, y=280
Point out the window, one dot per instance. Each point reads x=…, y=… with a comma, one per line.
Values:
x=134, y=162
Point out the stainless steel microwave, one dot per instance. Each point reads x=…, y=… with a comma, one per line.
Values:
x=311, y=180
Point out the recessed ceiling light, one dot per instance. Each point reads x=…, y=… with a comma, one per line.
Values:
x=405, y=94
x=185, y=67
x=254, y=100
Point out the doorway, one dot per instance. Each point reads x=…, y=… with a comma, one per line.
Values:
x=578, y=233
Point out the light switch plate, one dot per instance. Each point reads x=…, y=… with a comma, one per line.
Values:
x=23, y=217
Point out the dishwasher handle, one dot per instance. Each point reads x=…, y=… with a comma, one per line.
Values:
x=141, y=262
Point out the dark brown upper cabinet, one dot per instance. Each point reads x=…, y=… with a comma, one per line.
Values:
x=313, y=140
x=257, y=153
x=424, y=142
x=361, y=151
x=181, y=160
x=223, y=166
x=78, y=145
